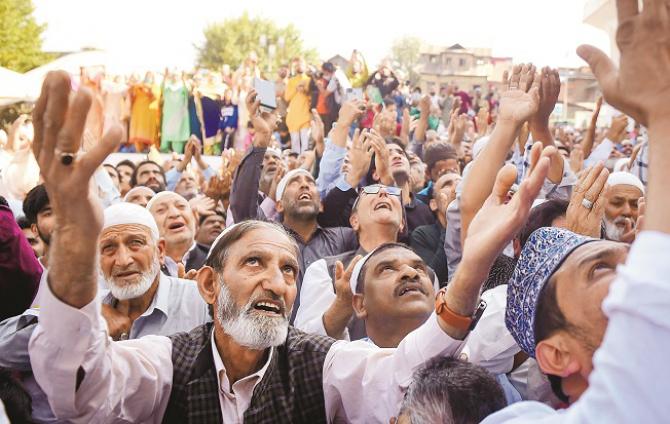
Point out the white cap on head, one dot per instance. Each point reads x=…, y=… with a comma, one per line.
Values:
x=353, y=281
x=134, y=189
x=625, y=178
x=125, y=213
x=274, y=151
x=287, y=179
x=163, y=195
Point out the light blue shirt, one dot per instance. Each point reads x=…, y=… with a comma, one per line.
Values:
x=329, y=168
x=630, y=369
x=172, y=177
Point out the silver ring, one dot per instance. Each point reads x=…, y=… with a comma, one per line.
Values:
x=587, y=203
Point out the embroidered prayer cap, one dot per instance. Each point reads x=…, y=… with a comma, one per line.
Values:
x=625, y=178
x=286, y=179
x=544, y=252
x=129, y=213
x=162, y=195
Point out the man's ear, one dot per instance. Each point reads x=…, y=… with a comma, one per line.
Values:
x=208, y=285
x=33, y=228
x=279, y=207
x=358, y=302
x=553, y=357
x=161, y=250
x=353, y=220
x=433, y=205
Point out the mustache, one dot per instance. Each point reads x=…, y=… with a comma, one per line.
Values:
x=266, y=295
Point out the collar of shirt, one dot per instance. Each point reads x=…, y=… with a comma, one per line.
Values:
x=243, y=389
x=159, y=302
x=299, y=239
x=184, y=258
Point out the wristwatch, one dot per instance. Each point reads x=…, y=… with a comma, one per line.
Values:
x=463, y=323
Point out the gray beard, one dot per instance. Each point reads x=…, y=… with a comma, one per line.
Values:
x=246, y=326
x=133, y=291
x=612, y=231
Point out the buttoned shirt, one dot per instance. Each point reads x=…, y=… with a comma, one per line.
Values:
x=132, y=379
x=235, y=400
x=631, y=367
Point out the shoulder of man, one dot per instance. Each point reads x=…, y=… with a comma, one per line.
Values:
x=300, y=342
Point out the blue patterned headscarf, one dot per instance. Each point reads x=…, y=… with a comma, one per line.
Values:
x=543, y=253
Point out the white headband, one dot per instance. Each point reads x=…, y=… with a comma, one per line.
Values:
x=287, y=179
x=625, y=178
x=162, y=195
x=125, y=198
x=124, y=213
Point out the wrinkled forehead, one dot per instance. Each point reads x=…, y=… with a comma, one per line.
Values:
x=302, y=178
x=270, y=241
x=447, y=180
x=169, y=199
x=125, y=230
x=396, y=254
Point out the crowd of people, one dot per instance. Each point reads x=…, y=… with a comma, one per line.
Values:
x=363, y=256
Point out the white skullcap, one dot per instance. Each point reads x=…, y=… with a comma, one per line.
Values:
x=162, y=195
x=479, y=146
x=134, y=189
x=353, y=281
x=625, y=178
x=287, y=179
x=274, y=151
x=123, y=213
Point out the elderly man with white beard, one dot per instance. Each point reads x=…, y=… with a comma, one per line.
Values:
x=141, y=300
x=621, y=208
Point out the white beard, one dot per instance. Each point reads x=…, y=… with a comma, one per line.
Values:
x=612, y=230
x=132, y=291
x=246, y=326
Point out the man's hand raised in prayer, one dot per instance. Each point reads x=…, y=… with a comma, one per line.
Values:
x=522, y=98
x=640, y=88
x=336, y=318
x=492, y=228
x=264, y=122
x=59, y=125
x=592, y=186
x=360, y=155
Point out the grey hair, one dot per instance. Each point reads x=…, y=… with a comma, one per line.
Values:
x=219, y=251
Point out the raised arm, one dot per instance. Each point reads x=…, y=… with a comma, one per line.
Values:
x=517, y=104
x=90, y=380
x=244, y=193
x=590, y=135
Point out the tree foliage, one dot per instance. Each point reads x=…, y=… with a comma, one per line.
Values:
x=405, y=51
x=20, y=36
x=229, y=42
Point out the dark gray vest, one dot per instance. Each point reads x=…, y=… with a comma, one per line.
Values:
x=291, y=390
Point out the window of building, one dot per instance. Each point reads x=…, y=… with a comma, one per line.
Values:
x=461, y=63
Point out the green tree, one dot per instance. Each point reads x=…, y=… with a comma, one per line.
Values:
x=405, y=52
x=229, y=42
x=20, y=36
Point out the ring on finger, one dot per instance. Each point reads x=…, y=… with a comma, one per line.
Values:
x=66, y=158
x=587, y=203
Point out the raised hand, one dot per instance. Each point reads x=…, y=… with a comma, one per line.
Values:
x=336, y=318
x=59, y=125
x=382, y=155
x=592, y=187
x=617, y=131
x=203, y=205
x=639, y=87
x=577, y=158
x=550, y=88
x=497, y=221
x=522, y=98
x=264, y=123
x=350, y=111
x=360, y=155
